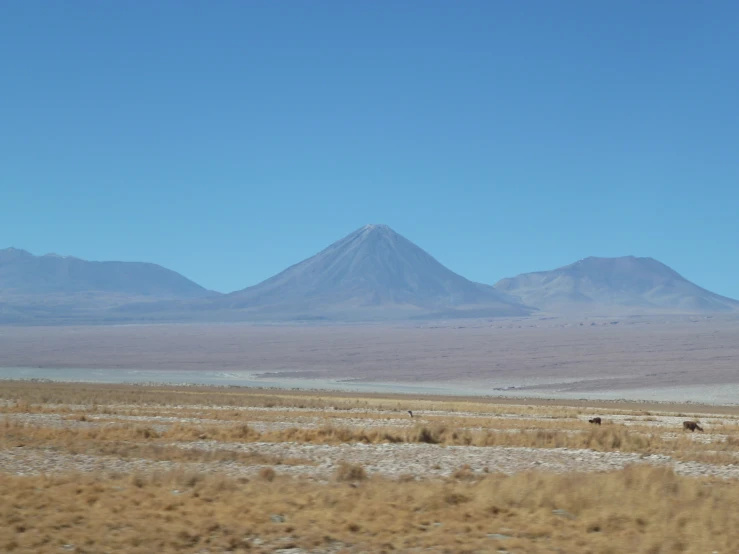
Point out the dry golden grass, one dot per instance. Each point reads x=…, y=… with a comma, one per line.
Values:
x=604, y=439
x=129, y=440
x=640, y=510
x=387, y=424
x=563, y=419
x=350, y=472
x=126, y=442
x=158, y=452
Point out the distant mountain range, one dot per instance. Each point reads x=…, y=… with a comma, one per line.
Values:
x=54, y=288
x=612, y=286
x=373, y=274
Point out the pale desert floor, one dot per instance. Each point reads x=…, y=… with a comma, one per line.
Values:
x=672, y=359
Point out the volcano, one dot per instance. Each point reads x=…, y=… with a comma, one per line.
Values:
x=372, y=274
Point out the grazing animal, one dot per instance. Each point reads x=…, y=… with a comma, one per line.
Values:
x=410, y=413
x=595, y=420
x=692, y=426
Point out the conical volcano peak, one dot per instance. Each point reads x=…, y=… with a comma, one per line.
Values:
x=380, y=227
x=370, y=238
x=376, y=230
x=372, y=272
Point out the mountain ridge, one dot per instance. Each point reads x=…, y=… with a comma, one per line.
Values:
x=619, y=283
x=371, y=274
x=55, y=288
x=23, y=272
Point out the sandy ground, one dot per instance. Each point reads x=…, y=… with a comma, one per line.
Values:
x=389, y=460
x=678, y=359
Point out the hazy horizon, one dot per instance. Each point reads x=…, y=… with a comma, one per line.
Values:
x=542, y=270
x=328, y=248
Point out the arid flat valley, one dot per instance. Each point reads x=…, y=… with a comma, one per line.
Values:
x=671, y=358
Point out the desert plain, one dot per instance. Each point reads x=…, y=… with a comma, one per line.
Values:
x=668, y=358
x=492, y=451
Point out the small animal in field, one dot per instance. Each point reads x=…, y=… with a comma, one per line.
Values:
x=691, y=426
x=595, y=420
x=410, y=413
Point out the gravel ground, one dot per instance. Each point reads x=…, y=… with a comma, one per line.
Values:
x=395, y=460
x=33, y=461
x=391, y=460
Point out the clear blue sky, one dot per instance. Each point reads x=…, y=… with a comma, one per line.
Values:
x=227, y=140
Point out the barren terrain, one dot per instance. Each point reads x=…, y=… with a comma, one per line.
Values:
x=647, y=358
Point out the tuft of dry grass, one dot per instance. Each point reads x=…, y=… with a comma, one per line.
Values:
x=464, y=473
x=350, y=472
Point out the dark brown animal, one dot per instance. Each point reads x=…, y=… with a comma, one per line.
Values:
x=410, y=413
x=595, y=420
x=691, y=426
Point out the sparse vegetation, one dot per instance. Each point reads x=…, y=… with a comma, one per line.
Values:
x=102, y=439
x=350, y=472
x=647, y=509
x=642, y=509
